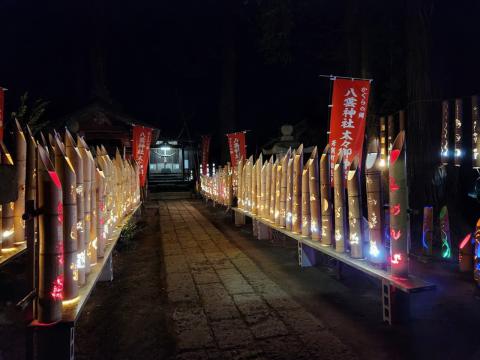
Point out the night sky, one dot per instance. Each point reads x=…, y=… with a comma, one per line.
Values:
x=163, y=60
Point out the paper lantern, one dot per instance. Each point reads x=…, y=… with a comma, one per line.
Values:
x=355, y=217
x=339, y=204
x=50, y=275
x=399, y=221
x=326, y=198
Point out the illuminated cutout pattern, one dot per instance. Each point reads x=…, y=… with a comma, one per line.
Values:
x=396, y=258
x=57, y=288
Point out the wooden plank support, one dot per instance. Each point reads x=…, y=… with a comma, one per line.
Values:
x=239, y=218
x=307, y=256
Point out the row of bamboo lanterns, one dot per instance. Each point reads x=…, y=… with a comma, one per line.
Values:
x=79, y=199
x=307, y=199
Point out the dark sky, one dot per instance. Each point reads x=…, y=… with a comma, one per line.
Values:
x=164, y=58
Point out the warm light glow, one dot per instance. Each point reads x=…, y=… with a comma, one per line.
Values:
x=374, y=249
x=7, y=233
x=57, y=289
x=354, y=240
x=71, y=301
x=81, y=260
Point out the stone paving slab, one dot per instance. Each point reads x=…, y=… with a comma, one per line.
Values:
x=223, y=306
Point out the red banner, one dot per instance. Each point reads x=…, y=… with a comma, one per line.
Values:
x=348, y=119
x=205, y=150
x=236, y=144
x=2, y=110
x=142, y=136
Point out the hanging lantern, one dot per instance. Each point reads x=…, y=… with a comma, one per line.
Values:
x=50, y=276
x=339, y=204
x=373, y=175
x=444, y=133
x=7, y=209
x=67, y=176
x=399, y=221
x=446, y=250
x=326, y=198
x=289, y=199
x=20, y=174
x=458, y=131
x=297, y=190
x=355, y=217
x=427, y=233
x=476, y=131
x=314, y=191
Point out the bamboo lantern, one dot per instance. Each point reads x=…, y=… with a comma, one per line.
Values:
x=373, y=174
x=240, y=184
x=444, y=133
x=289, y=199
x=268, y=188
x=278, y=191
x=401, y=121
x=326, y=198
x=7, y=210
x=391, y=133
x=87, y=198
x=445, y=233
x=31, y=173
x=313, y=187
x=383, y=144
x=249, y=183
x=339, y=204
x=297, y=191
x=476, y=254
x=258, y=174
x=263, y=189
x=20, y=174
x=305, y=228
x=355, y=217
x=399, y=221
x=93, y=206
x=273, y=192
x=465, y=254
x=427, y=233
x=283, y=190
x=100, y=206
x=476, y=131
x=254, y=189
x=67, y=176
x=76, y=160
x=458, y=131
x=51, y=280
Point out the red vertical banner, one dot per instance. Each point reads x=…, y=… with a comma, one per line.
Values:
x=348, y=119
x=236, y=145
x=142, y=136
x=2, y=111
x=205, y=150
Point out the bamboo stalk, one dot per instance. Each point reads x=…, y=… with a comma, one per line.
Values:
x=427, y=231
x=458, y=132
x=476, y=131
x=278, y=192
x=273, y=192
x=355, y=211
x=100, y=177
x=93, y=206
x=284, y=189
x=263, y=177
x=20, y=174
x=306, y=222
x=268, y=188
x=289, y=198
x=297, y=191
x=326, y=197
x=7, y=209
x=445, y=132
x=313, y=186
x=87, y=199
x=339, y=204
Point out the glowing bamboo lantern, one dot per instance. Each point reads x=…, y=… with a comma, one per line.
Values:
x=427, y=231
x=326, y=198
x=297, y=190
x=31, y=173
x=51, y=280
x=268, y=188
x=355, y=217
x=76, y=159
x=401, y=121
x=273, y=192
x=284, y=189
x=100, y=206
x=399, y=221
x=391, y=133
x=20, y=174
x=249, y=183
x=339, y=204
x=258, y=173
x=383, y=144
x=278, y=192
x=445, y=233
x=305, y=228
x=67, y=176
x=7, y=209
x=458, y=132
x=87, y=198
x=465, y=254
x=263, y=189
x=313, y=187
x=240, y=183
x=476, y=254
x=254, y=189
x=445, y=132
x=289, y=199
x=373, y=174
x=476, y=131
x=93, y=245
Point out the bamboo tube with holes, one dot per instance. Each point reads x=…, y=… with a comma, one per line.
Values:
x=427, y=231
x=20, y=175
x=240, y=184
x=283, y=190
x=399, y=221
x=50, y=275
x=278, y=192
x=383, y=143
x=297, y=191
x=263, y=189
x=339, y=204
x=313, y=187
x=355, y=217
x=77, y=162
x=7, y=209
x=306, y=200
x=268, y=188
x=254, y=189
x=476, y=132
x=289, y=197
x=87, y=198
x=458, y=132
x=444, y=146
x=326, y=197
x=391, y=133
x=101, y=235
x=93, y=211
x=273, y=192
x=373, y=175
x=31, y=164
x=258, y=173
x=67, y=176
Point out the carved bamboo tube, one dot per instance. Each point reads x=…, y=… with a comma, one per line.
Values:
x=289, y=199
x=339, y=204
x=93, y=206
x=458, y=132
x=313, y=187
x=297, y=191
x=20, y=174
x=283, y=190
x=273, y=192
x=476, y=131
x=305, y=228
x=7, y=209
x=326, y=197
x=87, y=199
x=355, y=211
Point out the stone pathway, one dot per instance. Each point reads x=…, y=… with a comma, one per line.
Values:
x=222, y=306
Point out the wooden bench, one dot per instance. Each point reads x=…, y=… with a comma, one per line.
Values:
x=395, y=290
x=57, y=341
